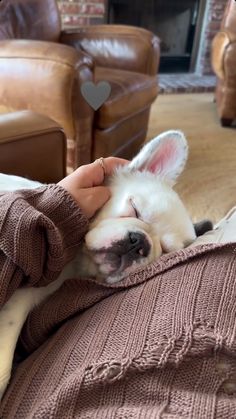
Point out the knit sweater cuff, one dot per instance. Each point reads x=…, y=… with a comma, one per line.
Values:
x=58, y=205
x=41, y=230
x=66, y=215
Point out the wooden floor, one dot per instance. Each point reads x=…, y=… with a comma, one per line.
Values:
x=208, y=184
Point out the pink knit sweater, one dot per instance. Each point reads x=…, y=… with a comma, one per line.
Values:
x=160, y=344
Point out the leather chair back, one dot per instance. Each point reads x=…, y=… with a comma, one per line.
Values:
x=30, y=19
x=229, y=19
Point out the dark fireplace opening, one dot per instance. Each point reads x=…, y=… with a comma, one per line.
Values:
x=176, y=22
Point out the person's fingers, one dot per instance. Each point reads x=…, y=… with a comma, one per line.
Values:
x=96, y=171
x=92, y=199
x=83, y=177
x=83, y=184
x=93, y=174
x=111, y=163
x=90, y=175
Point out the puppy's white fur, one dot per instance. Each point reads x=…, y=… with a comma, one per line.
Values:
x=143, y=219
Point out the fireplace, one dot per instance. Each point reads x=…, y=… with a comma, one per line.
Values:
x=177, y=23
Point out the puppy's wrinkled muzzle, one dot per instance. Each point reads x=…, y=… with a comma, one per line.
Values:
x=122, y=253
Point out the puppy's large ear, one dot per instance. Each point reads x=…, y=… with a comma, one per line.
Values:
x=164, y=156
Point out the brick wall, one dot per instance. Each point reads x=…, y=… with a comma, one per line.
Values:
x=81, y=12
x=214, y=14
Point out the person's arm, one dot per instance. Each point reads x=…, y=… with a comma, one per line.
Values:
x=41, y=229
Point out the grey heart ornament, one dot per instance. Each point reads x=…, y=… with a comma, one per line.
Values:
x=95, y=94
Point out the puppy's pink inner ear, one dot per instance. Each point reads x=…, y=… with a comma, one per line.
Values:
x=163, y=158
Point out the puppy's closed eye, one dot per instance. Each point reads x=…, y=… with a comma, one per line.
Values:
x=130, y=210
x=136, y=212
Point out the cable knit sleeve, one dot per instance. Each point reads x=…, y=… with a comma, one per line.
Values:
x=40, y=231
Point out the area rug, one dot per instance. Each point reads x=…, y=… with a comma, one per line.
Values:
x=208, y=184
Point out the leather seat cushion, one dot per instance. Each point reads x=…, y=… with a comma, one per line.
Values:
x=130, y=93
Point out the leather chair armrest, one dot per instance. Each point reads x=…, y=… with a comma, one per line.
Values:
x=45, y=77
x=117, y=46
x=46, y=51
x=223, y=50
x=33, y=146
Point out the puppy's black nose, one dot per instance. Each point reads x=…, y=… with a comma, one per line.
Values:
x=138, y=245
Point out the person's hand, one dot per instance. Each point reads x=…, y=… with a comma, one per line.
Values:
x=85, y=184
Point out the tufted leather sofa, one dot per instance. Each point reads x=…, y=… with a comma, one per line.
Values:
x=42, y=69
x=224, y=65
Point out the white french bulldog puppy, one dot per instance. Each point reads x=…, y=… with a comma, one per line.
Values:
x=144, y=216
x=143, y=219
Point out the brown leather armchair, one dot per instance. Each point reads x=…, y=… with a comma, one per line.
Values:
x=32, y=146
x=224, y=65
x=44, y=68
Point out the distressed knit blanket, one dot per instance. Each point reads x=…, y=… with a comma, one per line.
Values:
x=160, y=344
